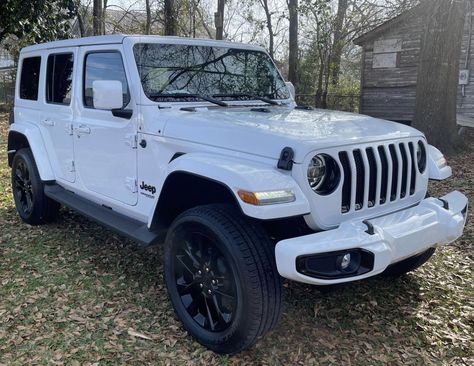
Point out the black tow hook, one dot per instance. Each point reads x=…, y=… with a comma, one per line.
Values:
x=445, y=203
x=370, y=228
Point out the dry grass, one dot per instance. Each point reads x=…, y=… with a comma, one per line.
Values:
x=75, y=293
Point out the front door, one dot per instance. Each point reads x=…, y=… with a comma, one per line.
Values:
x=104, y=144
x=57, y=113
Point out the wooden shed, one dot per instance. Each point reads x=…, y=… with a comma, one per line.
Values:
x=390, y=56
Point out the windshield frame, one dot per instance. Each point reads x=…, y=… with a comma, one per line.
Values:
x=177, y=41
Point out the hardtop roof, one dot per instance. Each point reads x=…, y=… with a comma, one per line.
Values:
x=119, y=38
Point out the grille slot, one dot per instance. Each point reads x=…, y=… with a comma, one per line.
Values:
x=346, y=186
x=360, y=179
x=377, y=175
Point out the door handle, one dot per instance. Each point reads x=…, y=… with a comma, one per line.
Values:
x=47, y=122
x=83, y=130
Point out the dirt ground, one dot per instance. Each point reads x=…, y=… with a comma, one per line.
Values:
x=75, y=293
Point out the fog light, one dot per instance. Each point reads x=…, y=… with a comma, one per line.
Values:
x=345, y=261
x=332, y=265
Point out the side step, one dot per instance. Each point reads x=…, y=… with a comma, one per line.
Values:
x=119, y=223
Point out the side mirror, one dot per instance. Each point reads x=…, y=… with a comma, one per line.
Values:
x=291, y=89
x=107, y=94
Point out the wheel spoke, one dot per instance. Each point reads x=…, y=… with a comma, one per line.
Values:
x=185, y=288
x=209, y=315
x=29, y=201
x=217, y=307
x=188, y=251
x=200, y=245
x=222, y=293
x=185, y=266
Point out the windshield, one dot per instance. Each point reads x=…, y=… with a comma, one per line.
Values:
x=225, y=73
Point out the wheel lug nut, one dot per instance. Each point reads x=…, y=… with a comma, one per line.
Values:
x=213, y=282
x=207, y=269
x=201, y=285
x=199, y=272
x=209, y=292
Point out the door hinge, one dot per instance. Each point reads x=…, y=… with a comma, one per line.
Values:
x=131, y=184
x=132, y=140
x=71, y=166
x=69, y=129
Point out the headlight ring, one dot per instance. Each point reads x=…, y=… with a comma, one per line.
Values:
x=323, y=174
x=421, y=156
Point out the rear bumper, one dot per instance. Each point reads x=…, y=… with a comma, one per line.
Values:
x=388, y=239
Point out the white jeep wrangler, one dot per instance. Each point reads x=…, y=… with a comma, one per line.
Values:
x=201, y=142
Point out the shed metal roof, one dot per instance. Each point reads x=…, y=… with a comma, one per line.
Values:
x=388, y=25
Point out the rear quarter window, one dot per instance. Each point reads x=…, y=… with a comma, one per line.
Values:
x=59, y=78
x=29, y=78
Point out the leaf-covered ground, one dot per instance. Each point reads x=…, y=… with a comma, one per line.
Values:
x=74, y=293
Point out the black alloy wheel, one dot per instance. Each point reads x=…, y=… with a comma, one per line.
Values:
x=31, y=203
x=221, y=277
x=204, y=279
x=22, y=188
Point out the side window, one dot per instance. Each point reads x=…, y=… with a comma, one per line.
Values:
x=104, y=66
x=59, y=78
x=29, y=79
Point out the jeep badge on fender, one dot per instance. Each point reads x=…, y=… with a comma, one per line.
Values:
x=146, y=187
x=229, y=154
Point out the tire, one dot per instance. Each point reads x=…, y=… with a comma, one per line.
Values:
x=31, y=203
x=221, y=277
x=409, y=264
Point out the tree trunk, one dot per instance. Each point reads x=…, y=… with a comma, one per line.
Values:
x=438, y=72
x=104, y=9
x=293, y=40
x=170, y=18
x=319, y=86
x=271, y=36
x=97, y=17
x=338, y=45
x=148, y=17
x=219, y=19
x=80, y=19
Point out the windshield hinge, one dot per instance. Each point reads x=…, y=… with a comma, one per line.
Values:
x=286, y=159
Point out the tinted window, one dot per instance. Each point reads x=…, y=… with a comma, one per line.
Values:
x=229, y=73
x=59, y=78
x=29, y=80
x=104, y=66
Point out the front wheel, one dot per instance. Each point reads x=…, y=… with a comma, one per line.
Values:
x=221, y=277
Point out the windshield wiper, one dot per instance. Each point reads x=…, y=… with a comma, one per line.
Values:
x=186, y=95
x=249, y=95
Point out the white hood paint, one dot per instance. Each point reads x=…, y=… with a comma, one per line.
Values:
x=266, y=134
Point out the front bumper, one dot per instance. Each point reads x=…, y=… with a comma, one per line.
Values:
x=389, y=238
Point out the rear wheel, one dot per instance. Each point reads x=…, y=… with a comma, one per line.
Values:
x=409, y=264
x=222, y=279
x=31, y=203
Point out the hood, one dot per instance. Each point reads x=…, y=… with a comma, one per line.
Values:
x=267, y=133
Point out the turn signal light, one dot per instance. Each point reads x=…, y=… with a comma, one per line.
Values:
x=267, y=198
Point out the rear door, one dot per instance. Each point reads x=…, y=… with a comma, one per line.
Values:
x=104, y=143
x=57, y=112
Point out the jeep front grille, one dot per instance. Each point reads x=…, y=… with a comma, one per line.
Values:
x=377, y=175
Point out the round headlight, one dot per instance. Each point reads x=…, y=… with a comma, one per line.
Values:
x=421, y=156
x=323, y=174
